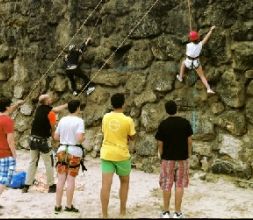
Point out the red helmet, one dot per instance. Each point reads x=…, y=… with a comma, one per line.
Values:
x=193, y=35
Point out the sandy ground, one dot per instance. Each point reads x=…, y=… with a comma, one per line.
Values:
x=219, y=199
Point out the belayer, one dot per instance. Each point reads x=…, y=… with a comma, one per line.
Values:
x=72, y=64
x=193, y=50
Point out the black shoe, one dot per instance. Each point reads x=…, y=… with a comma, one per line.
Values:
x=52, y=188
x=25, y=189
x=72, y=209
x=57, y=209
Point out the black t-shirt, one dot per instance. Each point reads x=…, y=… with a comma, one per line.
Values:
x=174, y=132
x=73, y=57
x=41, y=125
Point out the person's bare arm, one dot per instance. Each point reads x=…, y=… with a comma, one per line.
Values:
x=160, y=148
x=15, y=106
x=11, y=143
x=206, y=38
x=189, y=146
x=56, y=136
x=59, y=108
x=80, y=138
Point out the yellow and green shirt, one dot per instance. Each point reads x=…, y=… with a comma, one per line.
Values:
x=116, y=128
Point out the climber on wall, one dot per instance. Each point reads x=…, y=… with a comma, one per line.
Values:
x=193, y=50
x=72, y=62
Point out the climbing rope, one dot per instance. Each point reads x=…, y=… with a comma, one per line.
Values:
x=190, y=15
x=193, y=77
x=194, y=113
x=60, y=54
x=131, y=31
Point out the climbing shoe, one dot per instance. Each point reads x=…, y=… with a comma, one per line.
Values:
x=179, y=78
x=90, y=90
x=210, y=91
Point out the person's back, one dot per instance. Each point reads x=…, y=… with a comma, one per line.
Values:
x=116, y=128
x=73, y=58
x=70, y=125
x=6, y=126
x=175, y=131
x=193, y=49
x=41, y=125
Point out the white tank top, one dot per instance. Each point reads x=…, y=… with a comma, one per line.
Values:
x=193, y=50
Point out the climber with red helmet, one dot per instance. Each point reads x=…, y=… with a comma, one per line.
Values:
x=193, y=50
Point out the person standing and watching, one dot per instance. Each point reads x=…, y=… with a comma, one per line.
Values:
x=43, y=127
x=7, y=142
x=117, y=130
x=174, y=144
x=70, y=133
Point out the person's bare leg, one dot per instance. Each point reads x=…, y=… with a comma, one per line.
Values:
x=182, y=70
x=123, y=193
x=105, y=192
x=166, y=200
x=2, y=187
x=70, y=190
x=59, y=188
x=201, y=74
x=179, y=192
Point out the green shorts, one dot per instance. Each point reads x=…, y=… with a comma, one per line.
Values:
x=121, y=168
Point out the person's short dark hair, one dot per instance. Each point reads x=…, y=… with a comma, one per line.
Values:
x=73, y=105
x=171, y=107
x=4, y=103
x=117, y=100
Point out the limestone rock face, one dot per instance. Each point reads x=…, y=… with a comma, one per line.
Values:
x=137, y=50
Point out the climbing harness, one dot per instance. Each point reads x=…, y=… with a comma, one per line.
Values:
x=65, y=160
x=114, y=52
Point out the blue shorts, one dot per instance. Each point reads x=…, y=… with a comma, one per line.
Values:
x=7, y=168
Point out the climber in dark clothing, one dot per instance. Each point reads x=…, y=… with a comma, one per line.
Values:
x=72, y=61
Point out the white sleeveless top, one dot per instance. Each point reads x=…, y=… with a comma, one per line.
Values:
x=193, y=50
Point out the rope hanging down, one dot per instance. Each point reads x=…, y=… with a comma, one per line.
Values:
x=193, y=77
x=52, y=64
x=131, y=31
x=190, y=15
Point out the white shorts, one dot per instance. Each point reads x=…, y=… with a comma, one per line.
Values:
x=192, y=64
